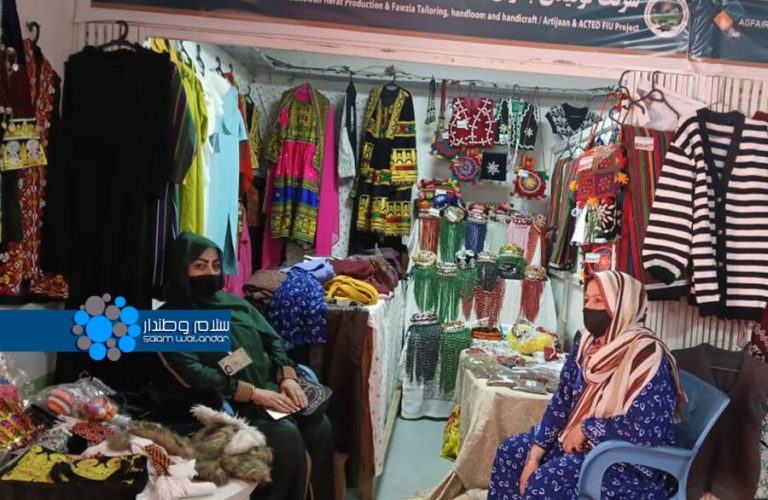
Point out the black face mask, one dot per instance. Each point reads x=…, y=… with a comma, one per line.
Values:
x=206, y=285
x=597, y=321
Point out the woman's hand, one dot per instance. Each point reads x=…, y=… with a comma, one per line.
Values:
x=576, y=442
x=272, y=400
x=531, y=464
x=293, y=390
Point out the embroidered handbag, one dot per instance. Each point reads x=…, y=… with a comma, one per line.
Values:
x=598, y=173
x=318, y=397
x=472, y=122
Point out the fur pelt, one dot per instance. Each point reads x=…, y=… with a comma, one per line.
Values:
x=226, y=447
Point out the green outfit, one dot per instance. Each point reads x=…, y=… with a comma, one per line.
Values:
x=289, y=438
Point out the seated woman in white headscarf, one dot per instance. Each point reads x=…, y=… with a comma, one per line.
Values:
x=619, y=382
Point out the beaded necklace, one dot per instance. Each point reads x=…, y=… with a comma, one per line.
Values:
x=477, y=228
x=448, y=292
x=424, y=275
x=422, y=347
x=429, y=230
x=452, y=230
x=456, y=338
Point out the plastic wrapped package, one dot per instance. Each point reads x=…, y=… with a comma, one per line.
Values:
x=481, y=364
x=85, y=399
x=15, y=385
x=539, y=379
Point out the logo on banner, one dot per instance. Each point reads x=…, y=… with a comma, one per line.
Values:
x=104, y=329
x=667, y=18
x=107, y=329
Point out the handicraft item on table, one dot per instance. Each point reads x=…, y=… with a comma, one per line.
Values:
x=511, y=262
x=452, y=231
x=448, y=292
x=477, y=228
x=533, y=287
x=467, y=279
x=423, y=347
x=489, y=293
x=424, y=275
x=456, y=338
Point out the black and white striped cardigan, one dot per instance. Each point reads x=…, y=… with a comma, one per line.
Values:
x=711, y=210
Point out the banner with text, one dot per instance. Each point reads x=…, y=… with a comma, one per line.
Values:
x=731, y=30
x=106, y=330
x=659, y=26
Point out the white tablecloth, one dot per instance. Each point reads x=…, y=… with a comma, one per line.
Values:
x=386, y=321
x=233, y=490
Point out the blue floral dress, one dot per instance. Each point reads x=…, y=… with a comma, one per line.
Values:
x=647, y=423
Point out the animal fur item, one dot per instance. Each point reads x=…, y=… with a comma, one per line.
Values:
x=226, y=447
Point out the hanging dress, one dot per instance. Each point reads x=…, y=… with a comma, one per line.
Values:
x=388, y=166
x=301, y=150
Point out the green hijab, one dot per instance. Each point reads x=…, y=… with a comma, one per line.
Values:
x=184, y=250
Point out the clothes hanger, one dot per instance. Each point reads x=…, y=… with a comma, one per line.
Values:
x=391, y=70
x=199, y=59
x=248, y=93
x=34, y=29
x=121, y=40
x=218, y=66
x=184, y=55
x=655, y=95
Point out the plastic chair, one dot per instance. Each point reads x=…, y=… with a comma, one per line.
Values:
x=700, y=413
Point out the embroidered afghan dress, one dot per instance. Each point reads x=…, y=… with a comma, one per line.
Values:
x=20, y=262
x=45, y=93
x=297, y=149
x=388, y=166
x=647, y=423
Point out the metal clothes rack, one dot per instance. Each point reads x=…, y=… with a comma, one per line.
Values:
x=388, y=73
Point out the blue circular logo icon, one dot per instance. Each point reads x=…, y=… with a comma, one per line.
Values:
x=106, y=330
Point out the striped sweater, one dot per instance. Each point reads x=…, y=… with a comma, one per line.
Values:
x=711, y=211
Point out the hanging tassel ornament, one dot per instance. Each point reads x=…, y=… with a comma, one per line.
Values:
x=448, y=293
x=467, y=280
x=489, y=293
x=452, y=231
x=533, y=288
x=536, y=246
x=477, y=228
x=456, y=338
x=429, y=231
x=496, y=232
x=423, y=347
x=519, y=226
x=511, y=262
x=431, y=108
x=424, y=275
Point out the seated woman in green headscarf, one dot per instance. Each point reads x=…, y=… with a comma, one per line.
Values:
x=268, y=382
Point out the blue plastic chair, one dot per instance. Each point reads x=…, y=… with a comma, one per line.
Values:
x=700, y=413
x=308, y=373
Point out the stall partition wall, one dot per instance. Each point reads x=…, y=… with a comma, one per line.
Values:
x=678, y=323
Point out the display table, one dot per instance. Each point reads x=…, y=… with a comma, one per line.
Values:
x=489, y=415
x=359, y=363
x=233, y=490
